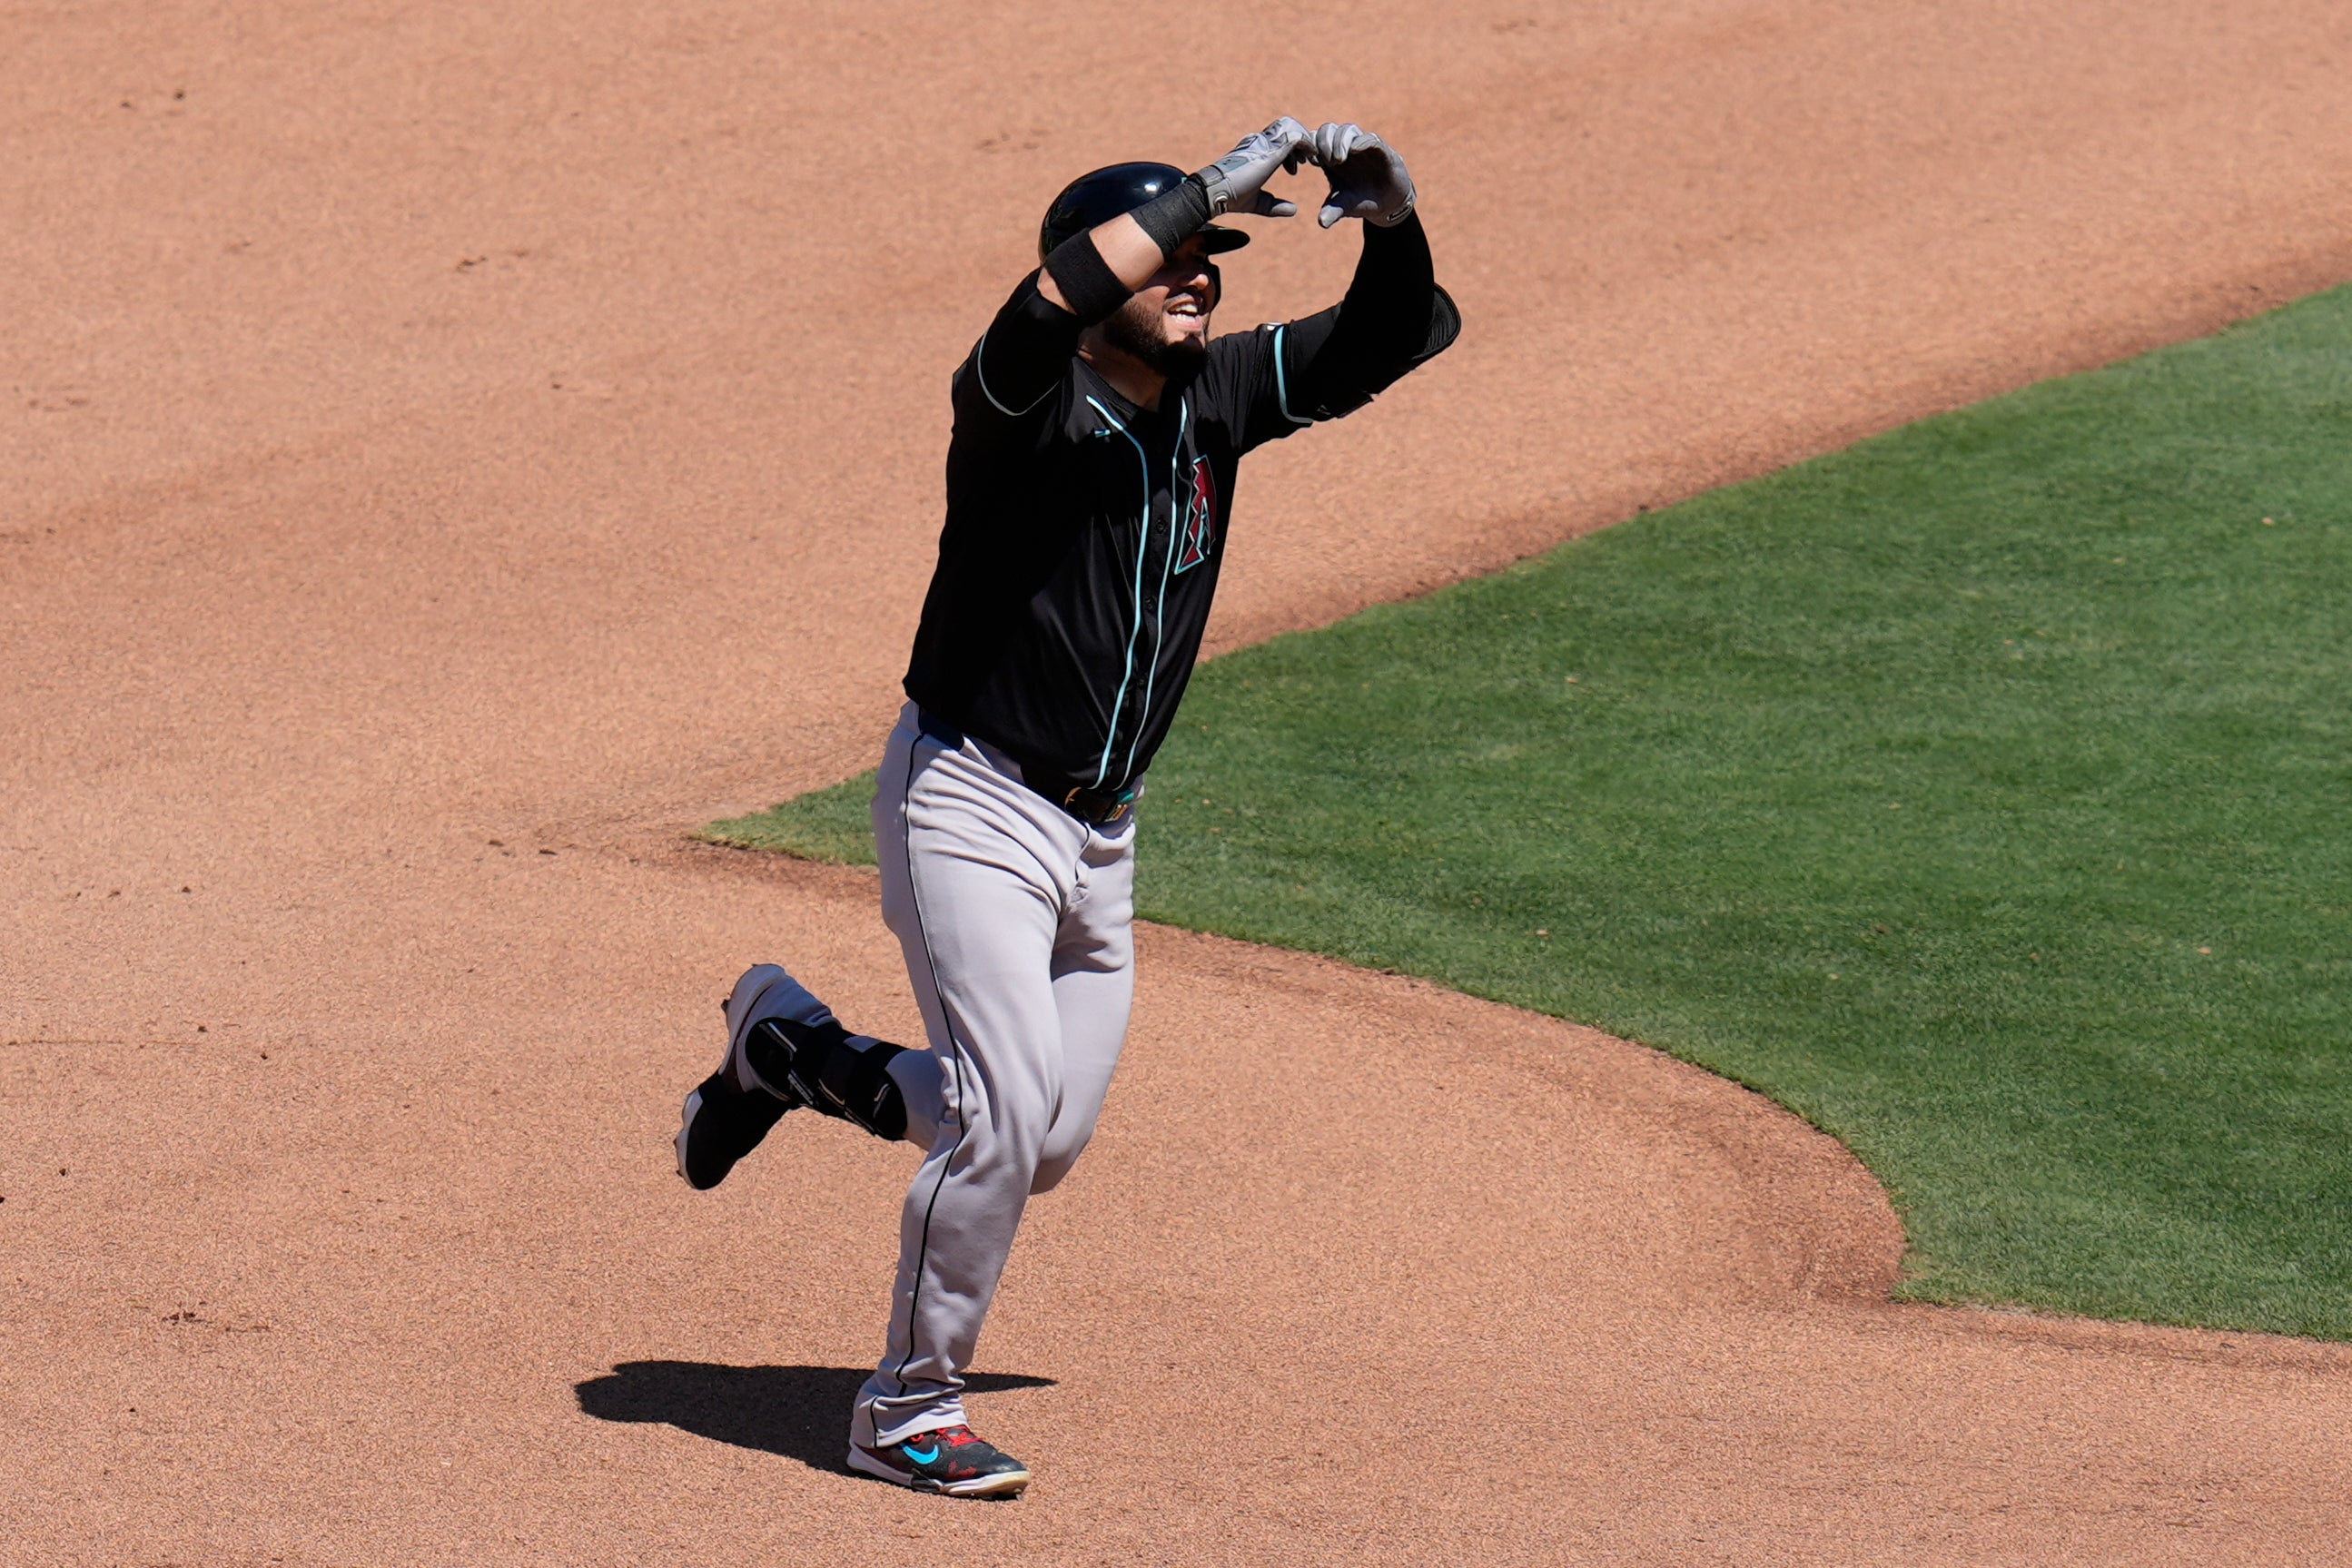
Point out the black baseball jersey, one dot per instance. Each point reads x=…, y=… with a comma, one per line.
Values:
x=1085, y=535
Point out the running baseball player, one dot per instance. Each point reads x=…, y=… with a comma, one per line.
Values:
x=1089, y=482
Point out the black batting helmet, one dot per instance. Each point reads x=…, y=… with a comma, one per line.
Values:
x=1099, y=197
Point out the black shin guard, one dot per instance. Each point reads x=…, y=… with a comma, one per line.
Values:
x=857, y=1084
x=775, y=1048
x=825, y=1071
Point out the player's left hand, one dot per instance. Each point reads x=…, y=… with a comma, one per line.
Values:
x=1368, y=179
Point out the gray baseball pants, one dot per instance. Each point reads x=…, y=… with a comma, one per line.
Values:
x=1017, y=921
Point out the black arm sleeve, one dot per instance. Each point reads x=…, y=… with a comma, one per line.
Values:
x=1393, y=318
x=1026, y=353
x=1086, y=281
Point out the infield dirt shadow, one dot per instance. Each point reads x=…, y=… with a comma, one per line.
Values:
x=799, y=1412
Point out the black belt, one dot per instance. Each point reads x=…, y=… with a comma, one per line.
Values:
x=1096, y=808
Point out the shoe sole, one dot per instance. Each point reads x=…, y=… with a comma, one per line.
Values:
x=1007, y=1485
x=687, y=1114
x=749, y=1001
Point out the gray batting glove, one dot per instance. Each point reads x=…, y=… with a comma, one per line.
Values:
x=1368, y=179
x=1236, y=181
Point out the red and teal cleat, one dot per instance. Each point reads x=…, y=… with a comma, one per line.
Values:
x=950, y=1460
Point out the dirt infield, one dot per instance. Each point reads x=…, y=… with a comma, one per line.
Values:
x=452, y=452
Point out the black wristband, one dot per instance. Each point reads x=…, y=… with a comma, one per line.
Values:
x=1174, y=216
x=1090, y=288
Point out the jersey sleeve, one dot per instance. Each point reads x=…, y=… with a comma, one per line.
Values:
x=1246, y=382
x=1394, y=319
x=1006, y=391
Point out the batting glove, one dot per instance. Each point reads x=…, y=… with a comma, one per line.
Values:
x=1236, y=181
x=1368, y=179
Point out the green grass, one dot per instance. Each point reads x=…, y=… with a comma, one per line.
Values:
x=828, y=825
x=1911, y=785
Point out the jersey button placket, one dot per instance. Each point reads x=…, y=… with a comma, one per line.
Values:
x=1179, y=444
x=1159, y=603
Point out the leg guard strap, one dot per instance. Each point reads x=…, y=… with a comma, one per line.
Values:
x=859, y=1084
x=825, y=1070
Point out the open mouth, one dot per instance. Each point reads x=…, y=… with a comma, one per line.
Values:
x=1188, y=315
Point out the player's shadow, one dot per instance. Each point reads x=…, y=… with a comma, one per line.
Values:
x=799, y=1412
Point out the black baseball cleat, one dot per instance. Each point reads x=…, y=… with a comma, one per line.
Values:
x=950, y=1460
x=729, y=1111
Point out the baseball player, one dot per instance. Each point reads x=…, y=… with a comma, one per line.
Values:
x=1089, y=481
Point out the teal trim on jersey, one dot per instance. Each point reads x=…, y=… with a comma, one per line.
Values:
x=1281, y=382
x=1110, y=737
x=1167, y=565
x=981, y=371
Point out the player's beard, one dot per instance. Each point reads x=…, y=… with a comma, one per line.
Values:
x=1135, y=328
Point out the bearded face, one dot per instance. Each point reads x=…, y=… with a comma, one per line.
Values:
x=1172, y=339
x=1165, y=323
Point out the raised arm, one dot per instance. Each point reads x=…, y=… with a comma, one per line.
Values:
x=1394, y=316
x=1026, y=349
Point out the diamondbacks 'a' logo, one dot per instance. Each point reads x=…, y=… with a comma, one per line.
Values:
x=1200, y=518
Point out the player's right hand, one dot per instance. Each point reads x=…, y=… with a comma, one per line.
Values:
x=1236, y=181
